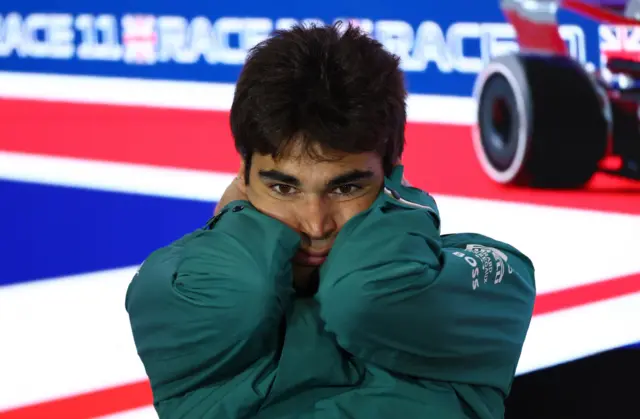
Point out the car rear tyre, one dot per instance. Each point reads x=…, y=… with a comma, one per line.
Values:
x=540, y=122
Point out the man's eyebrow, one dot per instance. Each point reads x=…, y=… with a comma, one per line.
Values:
x=278, y=176
x=353, y=176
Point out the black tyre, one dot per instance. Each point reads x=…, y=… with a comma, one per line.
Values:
x=540, y=122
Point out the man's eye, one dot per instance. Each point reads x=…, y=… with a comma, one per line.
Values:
x=346, y=190
x=283, y=189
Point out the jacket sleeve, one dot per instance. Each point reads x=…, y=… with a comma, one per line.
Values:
x=398, y=294
x=205, y=307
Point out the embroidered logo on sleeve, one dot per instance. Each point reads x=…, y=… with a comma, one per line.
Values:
x=485, y=261
x=500, y=260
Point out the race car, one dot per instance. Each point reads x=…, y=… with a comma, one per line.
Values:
x=546, y=120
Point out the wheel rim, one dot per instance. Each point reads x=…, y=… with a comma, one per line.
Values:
x=499, y=123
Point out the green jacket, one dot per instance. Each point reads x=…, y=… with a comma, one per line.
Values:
x=407, y=323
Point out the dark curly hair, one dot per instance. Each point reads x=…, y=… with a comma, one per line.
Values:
x=339, y=89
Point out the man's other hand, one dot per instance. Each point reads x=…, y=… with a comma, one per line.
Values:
x=234, y=192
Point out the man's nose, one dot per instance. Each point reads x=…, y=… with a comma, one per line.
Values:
x=316, y=219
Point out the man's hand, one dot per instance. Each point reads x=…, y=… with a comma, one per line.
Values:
x=234, y=192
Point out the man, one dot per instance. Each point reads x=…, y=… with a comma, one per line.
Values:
x=322, y=288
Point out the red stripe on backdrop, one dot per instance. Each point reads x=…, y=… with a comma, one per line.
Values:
x=585, y=294
x=88, y=405
x=163, y=137
x=135, y=395
x=439, y=158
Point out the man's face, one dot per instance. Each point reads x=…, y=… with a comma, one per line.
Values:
x=315, y=195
